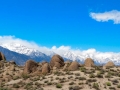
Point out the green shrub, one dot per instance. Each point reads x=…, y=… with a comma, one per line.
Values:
x=82, y=69
x=25, y=76
x=108, y=75
x=108, y=83
x=92, y=75
x=118, y=86
x=82, y=78
x=49, y=83
x=112, y=88
x=58, y=85
x=71, y=83
x=99, y=75
x=2, y=88
x=95, y=85
x=15, y=86
x=45, y=81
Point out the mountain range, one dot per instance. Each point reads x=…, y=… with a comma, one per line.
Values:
x=20, y=53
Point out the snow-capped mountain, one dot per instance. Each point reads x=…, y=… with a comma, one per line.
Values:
x=99, y=57
x=30, y=52
x=22, y=49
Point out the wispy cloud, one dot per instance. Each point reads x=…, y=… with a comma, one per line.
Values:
x=66, y=51
x=113, y=15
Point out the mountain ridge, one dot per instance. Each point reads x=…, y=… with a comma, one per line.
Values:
x=99, y=59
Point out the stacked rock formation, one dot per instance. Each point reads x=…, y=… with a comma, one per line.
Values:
x=57, y=61
x=73, y=66
x=109, y=64
x=89, y=62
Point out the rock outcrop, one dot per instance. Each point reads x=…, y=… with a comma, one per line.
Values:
x=74, y=66
x=45, y=68
x=57, y=61
x=2, y=57
x=89, y=62
x=109, y=64
x=30, y=67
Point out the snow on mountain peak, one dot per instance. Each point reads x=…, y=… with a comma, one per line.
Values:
x=16, y=47
x=30, y=48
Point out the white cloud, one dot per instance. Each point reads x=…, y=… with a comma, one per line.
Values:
x=66, y=51
x=113, y=15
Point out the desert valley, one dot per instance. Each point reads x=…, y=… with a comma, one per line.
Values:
x=58, y=75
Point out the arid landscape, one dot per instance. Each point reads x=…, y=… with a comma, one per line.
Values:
x=58, y=75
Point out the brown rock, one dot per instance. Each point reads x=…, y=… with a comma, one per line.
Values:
x=12, y=62
x=12, y=68
x=109, y=64
x=74, y=66
x=44, y=62
x=1, y=64
x=2, y=57
x=68, y=62
x=30, y=67
x=57, y=61
x=45, y=68
x=89, y=62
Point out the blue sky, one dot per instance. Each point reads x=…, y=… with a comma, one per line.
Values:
x=61, y=22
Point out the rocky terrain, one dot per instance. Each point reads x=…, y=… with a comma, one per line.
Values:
x=58, y=75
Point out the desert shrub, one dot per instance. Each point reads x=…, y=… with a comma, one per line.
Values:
x=25, y=76
x=108, y=83
x=115, y=81
x=81, y=83
x=92, y=75
x=98, y=67
x=46, y=81
x=58, y=85
x=108, y=75
x=57, y=78
x=77, y=74
x=118, y=86
x=118, y=75
x=16, y=86
x=70, y=77
x=112, y=88
x=3, y=88
x=75, y=88
x=49, y=83
x=69, y=73
x=71, y=83
x=43, y=77
x=36, y=79
x=82, y=69
x=99, y=75
x=91, y=80
x=82, y=78
x=38, y=84
x=57, y=73
x=102, y=71
x=15, y=77
x=95, y=85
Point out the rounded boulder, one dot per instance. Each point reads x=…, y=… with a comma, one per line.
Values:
x=30, y=67
x=73, y=66
x=57, y=61
x=89, y=62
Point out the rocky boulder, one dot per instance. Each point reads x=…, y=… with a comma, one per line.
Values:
x=89, y=62
x=74, y=66
x=45, y=68
x=109, y=64
x=2, y=57
x=30, y=67
x=57, y=61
